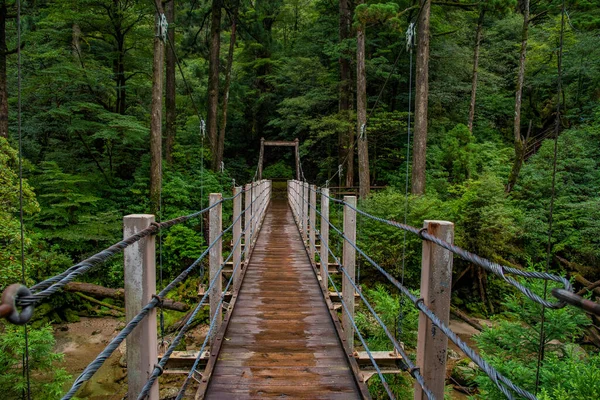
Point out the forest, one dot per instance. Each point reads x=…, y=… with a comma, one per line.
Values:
x=485, y=113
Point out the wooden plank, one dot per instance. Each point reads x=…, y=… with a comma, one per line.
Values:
x=280, y=341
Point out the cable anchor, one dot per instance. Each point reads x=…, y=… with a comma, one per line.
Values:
x=8, y=308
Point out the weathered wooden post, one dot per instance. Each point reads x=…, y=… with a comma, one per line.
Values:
x=215, y=255
x=305, y=210
x=140, y=285
x=247, y=217
x=313, y=219
x=349, y=263
x=436, y=285
x=237, y=234
x=324, y=237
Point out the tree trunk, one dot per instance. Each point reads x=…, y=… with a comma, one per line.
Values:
x=3, y=88
x=120, y=80
x=170, y=97
x=475, y=69
x=221, y=143
x=117, y=294
x=519, y=142
x=345, y=138
x=361, y=115
x=213, y=82
x=156, y=122
x=421, y=94
x=76, y=42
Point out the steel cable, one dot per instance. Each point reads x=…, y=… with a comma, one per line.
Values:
x=499, y=380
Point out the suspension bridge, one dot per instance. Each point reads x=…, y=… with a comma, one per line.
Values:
x=281, y=324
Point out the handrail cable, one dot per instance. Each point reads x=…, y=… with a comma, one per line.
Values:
x=372, y=359
x=494, y=375
x=52, y=285
x=158, y=369
x=190, y=375
x=488, y=265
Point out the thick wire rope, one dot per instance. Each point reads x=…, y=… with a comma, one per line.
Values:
x=413, y=370
x=351, y=318
x=409, y=44
x=194, y=368
x=89, y=371
x=158, y=369
x=542, y=345
x=52, y=285
x=503, y=383
x=495, y=268
x=26, y=390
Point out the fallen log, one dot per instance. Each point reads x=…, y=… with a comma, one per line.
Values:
x=461, y=315
x=98, y=291
x=578, y=278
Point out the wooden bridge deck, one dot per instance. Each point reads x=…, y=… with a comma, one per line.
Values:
x=281, y=341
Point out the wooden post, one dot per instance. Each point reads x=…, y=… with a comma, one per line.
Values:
x=313, y=219
x=305, y=210
x=140, y=285
x=436, y=285
x=237, y=234
x=247, y=217
x=254, y=211
x=215, y=254
x=349, y=263
x=324, y=236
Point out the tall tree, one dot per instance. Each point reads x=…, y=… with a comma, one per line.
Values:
x=213, y=81
x=346, y=139
x=156, y=116
x=475, y=68
x=421, y=96
x=486, y=6
x=225, y=103
x=519, y=140
x=4, y=52
x=361, y=113
x=170, y=98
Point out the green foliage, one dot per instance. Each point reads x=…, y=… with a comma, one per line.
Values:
x=520, y=329
x=278, y=170
x=46, y=379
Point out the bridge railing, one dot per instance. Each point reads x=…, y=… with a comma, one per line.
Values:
x=434, y=303
x=138, y=245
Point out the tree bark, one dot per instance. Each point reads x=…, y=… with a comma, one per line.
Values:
x=213, y=81
x=117, y=294
x=156, y=122
x=475, y=68
x=421, y=95
x=224, y=105
x=170, y=98
x=361, y=115
x=345, y=104
x=519, y=142
x=3, y=88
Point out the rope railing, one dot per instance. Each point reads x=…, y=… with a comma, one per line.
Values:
x=194, y=368
x=503, y=383
x=93, y=367
x=565, y=295
x=159, y=368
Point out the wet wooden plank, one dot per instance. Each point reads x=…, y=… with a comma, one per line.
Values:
x=280, y=341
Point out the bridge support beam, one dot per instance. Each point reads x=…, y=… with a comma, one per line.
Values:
x=313, y=219
x=324, y=237
x=305, y=210
x=215, y=259
x=436, y=288
x=349, y=264
x=237, y=234
x=140, y=285
x=247, y=221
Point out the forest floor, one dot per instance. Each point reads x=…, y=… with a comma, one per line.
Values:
x=82, y=341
